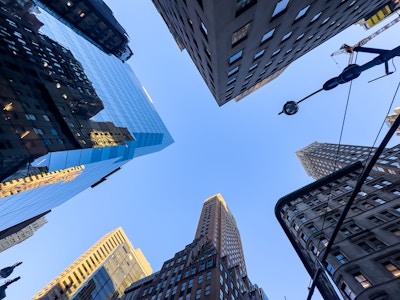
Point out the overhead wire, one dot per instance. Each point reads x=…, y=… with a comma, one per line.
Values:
x=362, y=174
x=334, y=168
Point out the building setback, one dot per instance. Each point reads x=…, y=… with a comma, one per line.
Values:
x=239, y=46
x=200, y=270
x=364, y=261
x=66, y=125
x=104, y=271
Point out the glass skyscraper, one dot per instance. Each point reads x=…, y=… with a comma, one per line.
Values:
x=71, y=114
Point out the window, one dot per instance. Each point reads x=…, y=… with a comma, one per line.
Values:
x=235, y=57
x=367, y=248
x=233, y=71
x=268, y=35
x=302, y=12
x=253, y=67
x=312, y=229
x=375, y=220
x=280, y=7
x=347, y=291
x=392, y=269
x=240, y=34
x=31, y=117
x=330, y=269
x=379, y=200
x=209, y=264
x=340, y=257
x=259, y=53
x=304, y=237
x=198, y=293
x=276, y=52
x=388, y=215
x=315, y=17
x=396, y=192
x=243, y=5
x=208, y=277
x=300, y=37
x=203, y=29
x=200, y=279
x=207, y=290
x=377, y=243
x=345, y=231
x=38, y=131
x=286, y=36
x=362, y=280
x=231, y=81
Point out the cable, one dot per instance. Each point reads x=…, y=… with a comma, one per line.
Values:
x=365, y=172
x=330, y=186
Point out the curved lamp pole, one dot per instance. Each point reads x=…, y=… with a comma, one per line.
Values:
x=349, y=73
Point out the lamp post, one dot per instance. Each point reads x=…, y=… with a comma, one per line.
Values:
x=349, y=73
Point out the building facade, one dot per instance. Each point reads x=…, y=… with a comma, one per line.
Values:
x=219, y=226
x=239, y=46
x=102, y=272
x=392, y=117
x=211, y=267
x=321, y=159
x=71, y=114
x=93, y=20
x=21, y=232
x=364, y=261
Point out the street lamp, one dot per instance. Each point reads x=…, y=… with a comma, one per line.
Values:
x=348, y=74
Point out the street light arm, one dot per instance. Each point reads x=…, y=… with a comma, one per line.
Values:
x=349, y=73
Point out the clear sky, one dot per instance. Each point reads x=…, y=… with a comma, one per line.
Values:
x=243, y=150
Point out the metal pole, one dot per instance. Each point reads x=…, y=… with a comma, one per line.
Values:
x=352, y=197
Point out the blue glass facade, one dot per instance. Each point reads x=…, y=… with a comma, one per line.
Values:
x=126, y=107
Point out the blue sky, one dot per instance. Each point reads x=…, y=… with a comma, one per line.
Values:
x=243, y=150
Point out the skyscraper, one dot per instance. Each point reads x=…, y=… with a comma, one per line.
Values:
x=321, y=159
x=93, y=20
x=20, y=232
x=239, y=46
x=211, y=267
x=364, y=261
x=71, y=114
x=219, y=226
x=103, y=272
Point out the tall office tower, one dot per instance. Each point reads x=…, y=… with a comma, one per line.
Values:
x=93, y=20
x=239, y=46
x=321, y=159
x=21, y=232
x=211, y=267
x=102, y=272
x=219, y=226
x=71, y=114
